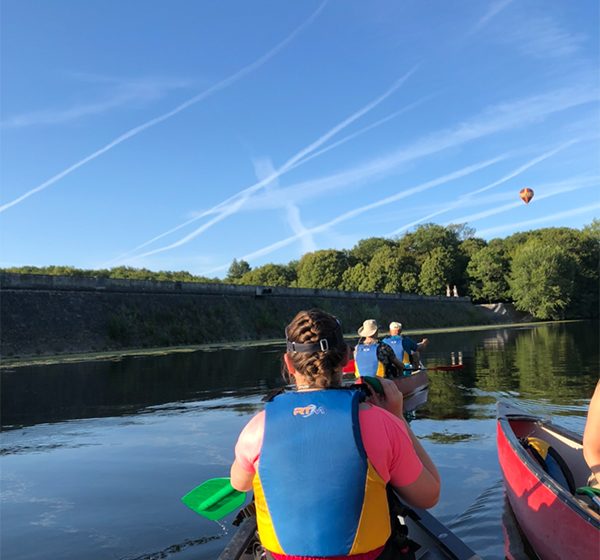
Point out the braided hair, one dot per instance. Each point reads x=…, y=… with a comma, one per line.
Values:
x=321, y=365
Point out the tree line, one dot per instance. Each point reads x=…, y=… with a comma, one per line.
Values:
x=550, y=273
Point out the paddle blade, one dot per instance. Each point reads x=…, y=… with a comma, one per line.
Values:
x=372, y=382
x=214, y=498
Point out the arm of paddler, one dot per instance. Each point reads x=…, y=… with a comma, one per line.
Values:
x=425, y=491
x=241, y=479
x=591, y=435
x=399, y=365
x=247, y=451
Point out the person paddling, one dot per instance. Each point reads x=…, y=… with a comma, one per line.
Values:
x=373, y=358
x=591, y=439
x=319, y=459
x=406, y=350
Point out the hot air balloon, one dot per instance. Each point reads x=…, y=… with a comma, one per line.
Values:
x=526, y=195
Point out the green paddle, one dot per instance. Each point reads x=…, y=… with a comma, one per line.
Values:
x=372, y=382
x=214, y=498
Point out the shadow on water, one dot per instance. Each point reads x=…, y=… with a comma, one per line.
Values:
x=39, y=394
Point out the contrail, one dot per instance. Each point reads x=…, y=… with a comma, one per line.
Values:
x=306, y=159
x=565, y=188
x=583, y=183
x=264, y=167
x=240, y=198
x=192, y=101
x=547, y=218
x=500, y=181
x=492, y=12
x=362, y=209
x=495, y=119
x=360, y=132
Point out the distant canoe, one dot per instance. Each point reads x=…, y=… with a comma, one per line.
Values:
x=409, y=384
x=416, y=381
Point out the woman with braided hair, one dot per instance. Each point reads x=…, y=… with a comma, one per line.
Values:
x=319, y=459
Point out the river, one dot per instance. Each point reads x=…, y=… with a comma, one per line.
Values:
x=95, y=455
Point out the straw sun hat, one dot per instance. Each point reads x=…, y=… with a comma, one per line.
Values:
x=369, y=328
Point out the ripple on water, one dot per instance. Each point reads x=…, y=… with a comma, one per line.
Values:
x=489, y=529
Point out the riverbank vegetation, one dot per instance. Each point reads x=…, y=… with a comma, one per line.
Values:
x=550, y=273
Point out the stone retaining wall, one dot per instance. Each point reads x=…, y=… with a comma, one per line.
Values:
x=46, y=315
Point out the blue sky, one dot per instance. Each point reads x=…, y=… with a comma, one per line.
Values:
x=181, y=135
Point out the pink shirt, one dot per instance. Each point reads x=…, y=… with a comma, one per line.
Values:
x=386, y=442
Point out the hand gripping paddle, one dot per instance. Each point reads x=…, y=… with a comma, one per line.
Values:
x=372, y=382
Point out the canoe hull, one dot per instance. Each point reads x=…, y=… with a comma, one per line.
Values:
x=408, y=385
x=412, y=383
x=436, y=541
x=556, y=525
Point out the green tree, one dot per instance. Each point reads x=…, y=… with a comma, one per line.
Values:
x=462, y=231
x=426, y=238
x=542, y=279
x=365, y=249
x=355, y=279
x=268, y=275
x=436, y=272
x=322, y=269
x=593, y=229
x=292, y=267
x=470, y=246
x=584, y=251
x=396, y=270
x=237, y=269
x=385, y=270
x=424, y=244
x=466, y=249
x=488, y=272
x=410, y=282
x=513, y=242
x=382, y=274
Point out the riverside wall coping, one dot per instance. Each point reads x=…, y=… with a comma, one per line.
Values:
x=40, y=282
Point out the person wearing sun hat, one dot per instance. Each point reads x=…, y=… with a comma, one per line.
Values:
x=372, y=357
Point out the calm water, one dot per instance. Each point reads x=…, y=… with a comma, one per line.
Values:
x=96, y=455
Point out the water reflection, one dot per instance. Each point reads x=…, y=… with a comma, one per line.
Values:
x=557, y=363
x=130, y=437
x=37, y=394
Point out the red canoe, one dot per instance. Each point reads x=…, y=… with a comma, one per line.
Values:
x=557, y=525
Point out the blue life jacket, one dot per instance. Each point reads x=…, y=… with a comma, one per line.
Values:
x=366, y=362
x=315, y=490
x=397, y=345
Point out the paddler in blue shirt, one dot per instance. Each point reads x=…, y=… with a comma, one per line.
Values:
x=406, y=350
x=373, y=358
